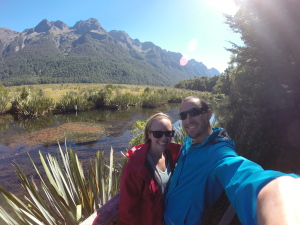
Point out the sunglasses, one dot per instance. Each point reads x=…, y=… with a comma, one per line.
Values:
x=192, y=112
x=159, y=134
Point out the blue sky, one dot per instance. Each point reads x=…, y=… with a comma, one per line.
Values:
x=195, y=28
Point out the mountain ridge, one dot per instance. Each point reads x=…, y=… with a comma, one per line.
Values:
x=53, y=52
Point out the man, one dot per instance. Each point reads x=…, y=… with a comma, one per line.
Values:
x=208, y=165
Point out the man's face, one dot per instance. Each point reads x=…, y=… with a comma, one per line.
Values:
x=195, y=126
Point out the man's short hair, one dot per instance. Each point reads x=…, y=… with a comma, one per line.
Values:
x=204, y=103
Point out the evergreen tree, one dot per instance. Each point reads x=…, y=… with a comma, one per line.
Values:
x=264, y=101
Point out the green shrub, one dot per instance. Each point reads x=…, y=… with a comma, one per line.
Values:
x=138, y=132
x=123, y=101
x=72, y=101
x=32, y=104
x=153, y=100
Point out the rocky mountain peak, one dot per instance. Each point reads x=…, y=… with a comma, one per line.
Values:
x=7, y=35
x=82, y=27
x=121, y=36
x=214, y=71
x=61, y=25
x=45, y=25
x=96, y=50
x=7, y=32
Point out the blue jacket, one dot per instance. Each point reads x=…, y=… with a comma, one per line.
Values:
x=203, y=171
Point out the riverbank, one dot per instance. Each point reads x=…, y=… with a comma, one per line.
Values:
x=38, y=100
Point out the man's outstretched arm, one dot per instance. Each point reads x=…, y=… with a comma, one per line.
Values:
x=278, y=203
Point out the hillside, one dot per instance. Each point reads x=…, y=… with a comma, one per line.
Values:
x=53, y=52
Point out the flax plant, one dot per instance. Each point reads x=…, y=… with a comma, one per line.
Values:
x=66, y=196
x=179, y=134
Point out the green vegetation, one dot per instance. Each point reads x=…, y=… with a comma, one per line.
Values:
x=31, y=104
x=137, y=131
x=262, y=113
x=218, y=85
x=37, y=100
x=92, y=58
x=261, y=110
x=198, y=83
x=4, y=99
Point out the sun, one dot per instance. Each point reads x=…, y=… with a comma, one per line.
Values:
x=223, y=6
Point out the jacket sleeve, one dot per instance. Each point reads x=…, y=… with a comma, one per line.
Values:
x=130, y=198
x=242, y=180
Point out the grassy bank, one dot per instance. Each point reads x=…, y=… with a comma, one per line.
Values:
x=37, y=100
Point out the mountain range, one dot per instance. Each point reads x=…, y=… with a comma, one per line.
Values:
x=53, y=52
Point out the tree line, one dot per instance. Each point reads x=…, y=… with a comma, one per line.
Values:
x=216, y=84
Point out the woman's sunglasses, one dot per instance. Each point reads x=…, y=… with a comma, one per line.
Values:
x=159, y=134
x=192, y=112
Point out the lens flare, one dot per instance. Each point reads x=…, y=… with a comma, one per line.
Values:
x=224, y=6
x=183, y=61
x=193, y=45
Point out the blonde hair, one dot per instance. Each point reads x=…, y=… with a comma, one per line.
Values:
x=157, y=116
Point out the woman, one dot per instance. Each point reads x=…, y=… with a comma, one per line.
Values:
x=146, y=176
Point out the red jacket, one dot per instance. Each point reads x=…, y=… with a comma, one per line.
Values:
x=140, y=196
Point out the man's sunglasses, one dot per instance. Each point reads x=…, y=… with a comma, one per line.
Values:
x=192, y=112
x=159, y=134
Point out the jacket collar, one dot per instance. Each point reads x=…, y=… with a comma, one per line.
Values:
x=219, y=135
x=139, y=152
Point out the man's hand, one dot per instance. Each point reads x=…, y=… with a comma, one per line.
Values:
x=278, y=203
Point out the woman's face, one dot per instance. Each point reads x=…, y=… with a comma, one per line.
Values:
x=161, y=143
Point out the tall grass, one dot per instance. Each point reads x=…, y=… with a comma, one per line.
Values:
x=30, y=104
x=81, y=98
x=64, y=195
x=4, y=99
x=71, y=102
x=124, y=101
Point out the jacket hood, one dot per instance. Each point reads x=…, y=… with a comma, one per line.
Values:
x=219, y=134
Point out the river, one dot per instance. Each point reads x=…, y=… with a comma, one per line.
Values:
x=85, y=133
